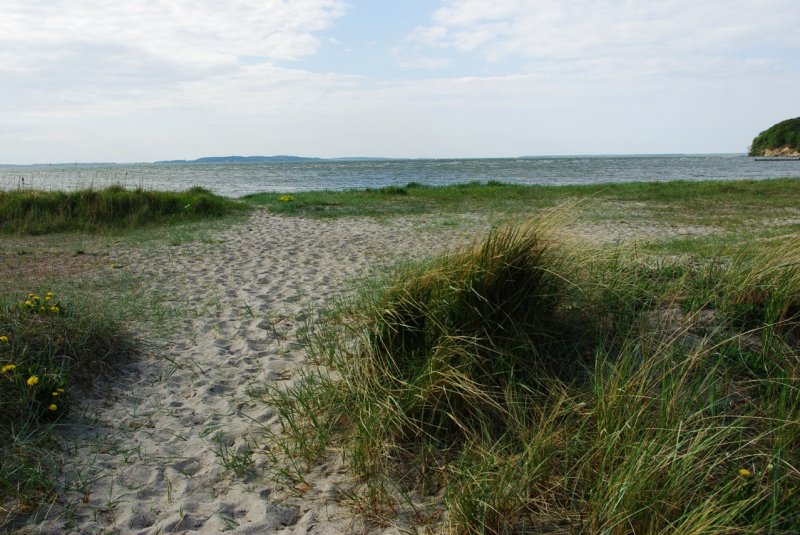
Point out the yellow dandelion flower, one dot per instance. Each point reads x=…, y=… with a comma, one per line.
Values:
x=32, y=380
x=286, y=198
x=35, y=297
x=50, y=294
x=7, y=368
x=28, y=303
x=4, y=339
x=55, y=394
x=744, y=472
x=52, y=407
x=54, y=309
x=60, y=390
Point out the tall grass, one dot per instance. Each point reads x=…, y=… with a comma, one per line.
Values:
x=525, y=386
x=39, y=212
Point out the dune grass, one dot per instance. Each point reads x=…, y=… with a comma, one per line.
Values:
x=526, y=385
x=50, y=352
x=114, y=208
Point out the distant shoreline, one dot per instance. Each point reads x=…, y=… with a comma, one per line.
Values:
x=311, y=159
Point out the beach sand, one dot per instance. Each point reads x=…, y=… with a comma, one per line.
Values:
x=146, y=452
x=146, y=455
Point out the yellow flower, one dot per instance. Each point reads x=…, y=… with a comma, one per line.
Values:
x=28, y=303
x=60, y=390
x=55, y=394
x=50, y=294
x=32, y=380
x=285, y=198
x=7, y=368
x=52, y=407
x=744, y=472
x=54, y=309
x=4, y=339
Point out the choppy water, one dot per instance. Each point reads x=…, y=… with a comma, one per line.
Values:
x=240, y=179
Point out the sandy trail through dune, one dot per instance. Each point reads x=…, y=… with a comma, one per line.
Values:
x=149, y=458
x=155, y=449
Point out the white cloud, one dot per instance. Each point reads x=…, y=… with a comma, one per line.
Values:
x=425, y=63
x=570, y=29
x=71, y=58
x=178, y=31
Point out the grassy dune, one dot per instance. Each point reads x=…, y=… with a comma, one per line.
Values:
x=526, y=385
x=114, y=208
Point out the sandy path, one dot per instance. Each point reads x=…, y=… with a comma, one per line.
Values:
x=147, y=459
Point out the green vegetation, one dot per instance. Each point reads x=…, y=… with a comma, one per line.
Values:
x=50, y=351
x=114, y=208
x=664, y=199
x=784, y=134
x=533, y=386
x=521, y=385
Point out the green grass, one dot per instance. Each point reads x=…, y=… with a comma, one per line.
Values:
x=114, y=208
x=51, y=351
x=701, y=199
x=524, y=385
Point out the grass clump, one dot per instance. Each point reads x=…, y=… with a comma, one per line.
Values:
x=526, y=386
x=50, y=351
x=114, y=208
x=468, y=332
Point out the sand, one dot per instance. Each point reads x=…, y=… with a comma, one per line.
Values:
x=146, y=452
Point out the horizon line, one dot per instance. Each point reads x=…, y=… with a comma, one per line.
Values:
x=366, y=158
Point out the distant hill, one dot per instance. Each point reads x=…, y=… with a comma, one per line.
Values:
x=244, y=159
x=782, y=139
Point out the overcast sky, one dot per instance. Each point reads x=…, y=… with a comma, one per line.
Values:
x=125, y=81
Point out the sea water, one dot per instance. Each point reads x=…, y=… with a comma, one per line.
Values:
x=235, y=180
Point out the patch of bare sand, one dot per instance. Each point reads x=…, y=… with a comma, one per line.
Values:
x=148, y=452
x=611, y=233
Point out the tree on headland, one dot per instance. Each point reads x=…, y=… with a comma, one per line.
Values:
x=782, y=139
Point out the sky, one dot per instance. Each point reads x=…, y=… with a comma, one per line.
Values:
x=136, y=81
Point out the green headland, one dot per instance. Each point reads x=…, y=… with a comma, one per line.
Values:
x=780, y=140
